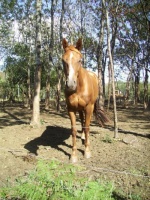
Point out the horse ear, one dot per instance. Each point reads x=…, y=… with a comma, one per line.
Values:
x=79, y=44
x=64, y=43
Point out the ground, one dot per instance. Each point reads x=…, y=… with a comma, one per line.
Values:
x=125, y=162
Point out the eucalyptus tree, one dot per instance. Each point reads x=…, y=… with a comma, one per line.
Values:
x=6, y=25
x=16, y=16
x=134, y=42
x=59, y=54
x=100, y=66
x=48, y=43
x=37, y=79
x=110, y=50
x=16, y=75
x=26, y=28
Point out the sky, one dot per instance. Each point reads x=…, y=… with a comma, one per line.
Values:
x=1, y=65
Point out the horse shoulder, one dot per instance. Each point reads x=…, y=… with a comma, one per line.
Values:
x=93, y=76
x=72, y=100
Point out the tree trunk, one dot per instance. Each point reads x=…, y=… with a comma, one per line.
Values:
x=109, y=86
x=47, y=89
x=29, y=89
x=50, y=54
x=112, y=71
x=112, y=45
x=127, y=93
x=136, y=87
x=99, y=61
x=37, y=80
x=61, y=22
x=146, y=89
x=58, y=92
x=59, y=68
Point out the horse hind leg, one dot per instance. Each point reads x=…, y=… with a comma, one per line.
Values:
x=88, y=115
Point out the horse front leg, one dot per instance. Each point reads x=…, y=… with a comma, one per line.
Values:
x=72, y=115
x=81, y=115
x=88, y=115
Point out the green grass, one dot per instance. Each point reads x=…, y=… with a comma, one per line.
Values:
x=107, y=139
x=57, y=181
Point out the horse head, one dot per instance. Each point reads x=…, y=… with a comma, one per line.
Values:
x=72, y=59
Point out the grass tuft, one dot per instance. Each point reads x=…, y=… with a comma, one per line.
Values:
x=107, y=139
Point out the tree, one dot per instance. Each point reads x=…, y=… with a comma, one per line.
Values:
x=100, y=60
x=134, y=42
x=129, y=38
x=112, y=72
x=37, y=80
x=59, y=54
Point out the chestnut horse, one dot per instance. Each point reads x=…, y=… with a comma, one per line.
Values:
x=81, y=93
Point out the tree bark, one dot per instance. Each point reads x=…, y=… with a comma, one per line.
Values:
x=112, y=45
x=47, y=96
x=28, y=88
x=58, y=91
x=59, y=68
x=50, y=55
x=99, y=61
x=109, y=86
x=127, y=93
x=37, y=79
x=112, y=71
x=146, y=89
x=136, y=87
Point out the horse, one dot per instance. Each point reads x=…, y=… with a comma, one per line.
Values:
x=81, y=92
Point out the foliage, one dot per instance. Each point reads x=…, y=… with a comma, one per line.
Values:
x=107, y=139
x=54, y=180
x=80, y=19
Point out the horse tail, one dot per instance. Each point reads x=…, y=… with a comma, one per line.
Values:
x=100, y=114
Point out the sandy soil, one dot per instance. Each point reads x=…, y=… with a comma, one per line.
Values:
x=126, y=162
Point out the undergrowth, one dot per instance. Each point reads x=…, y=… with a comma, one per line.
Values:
x=58, y=181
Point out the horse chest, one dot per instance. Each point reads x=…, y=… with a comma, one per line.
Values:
x=76, y=101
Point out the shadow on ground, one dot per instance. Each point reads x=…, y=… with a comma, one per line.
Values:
x=53, y=137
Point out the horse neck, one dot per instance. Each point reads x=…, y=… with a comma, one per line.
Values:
x=82, y=74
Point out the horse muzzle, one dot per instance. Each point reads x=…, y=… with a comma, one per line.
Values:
x=71, y=85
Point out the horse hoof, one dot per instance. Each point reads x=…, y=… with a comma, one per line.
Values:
x=74, y=159
x=87, y=154
x=83, y=136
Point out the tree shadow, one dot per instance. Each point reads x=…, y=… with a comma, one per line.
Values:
x=111, y=128
x=134, y=133
x=11, y=119
x=53, y=136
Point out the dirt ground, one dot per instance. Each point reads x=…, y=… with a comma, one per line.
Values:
x=126, y=162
